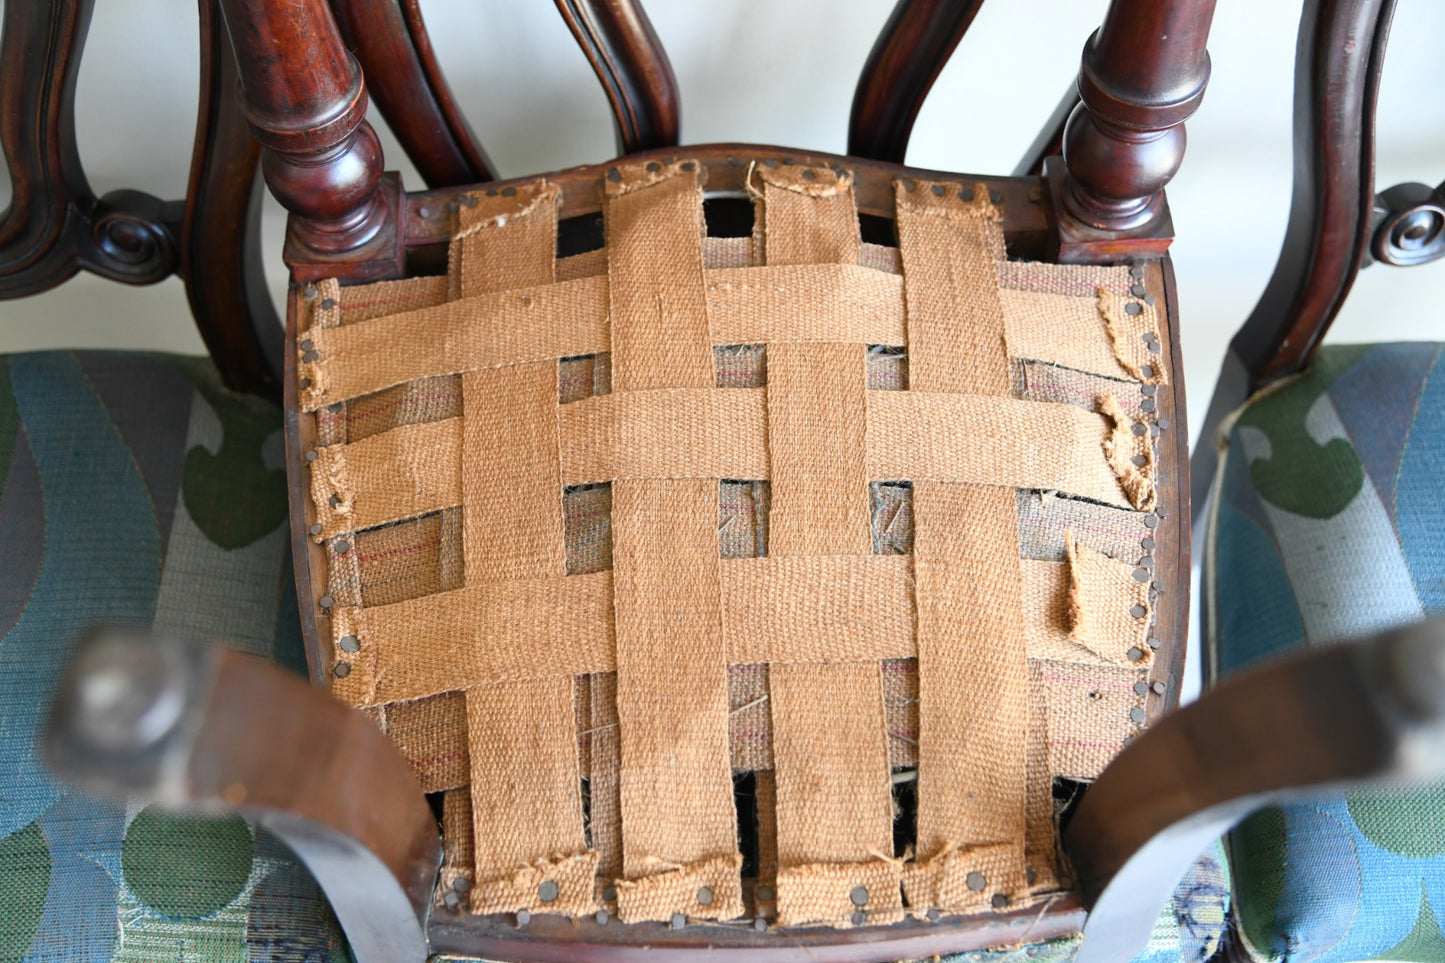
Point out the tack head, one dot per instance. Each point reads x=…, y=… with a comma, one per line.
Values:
x=1149, y=391
x=490, y=193
x=523, y=917
x=1164, y=424
x=328, y=303
x=307, y=344
x=809, y=175
x=1139, y=428
x=315, y=529
x=1151, y=520
x=1030, y=875
x=999, y=901
x=859, y=896
x=1141, y=574
x=1135, y=653
x=976, y=881
x=304, y=383
x=1138, y=290
x=764, y=894
x=1159, y=688
x=1147, y=544
x=1152, y=642
x=933, y=914
x=689, y=166
x=312, y=455
x=1138, y=611
x=350, y=643
x=704, y=896
x=760, y=924
x=609, y=893
x=859, y=917
x=335, y=501
x=1133, y=308
x=461, y=884
x=341, y=670
x=1136, y=271
x=309, y=292
x=1141, y=688
x=452, y=900
x=1139, y=461
x=965, y=193
x=1136, y=716
x=996, y=196
x=938, y=190
x=326, y=601
x=653, y=167
x=548, y=891
x=342, y=547
x=336, y=408
x=678, y=921
x=509, y=192
x=1147, y=405
x=1147, y=370
x=601, y=917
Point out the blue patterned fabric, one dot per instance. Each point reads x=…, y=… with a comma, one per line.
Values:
x=137, y=489
x=1328, y=523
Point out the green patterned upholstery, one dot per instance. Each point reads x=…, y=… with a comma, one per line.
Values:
x=1328, y=523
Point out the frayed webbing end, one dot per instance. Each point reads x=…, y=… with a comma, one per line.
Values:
x=951, y=199
x=1130, y=455
x=841, y=894
x=810, y=180
x=1108, y=606
x=710, y=889
x=626, y=177
x=496, y=208
x=963, y=878
x=1135, y=336
x=560, y=885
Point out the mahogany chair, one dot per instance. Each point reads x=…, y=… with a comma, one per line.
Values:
x=205, y=730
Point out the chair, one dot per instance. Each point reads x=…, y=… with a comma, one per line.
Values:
x=350, y=805
x=1324, y=515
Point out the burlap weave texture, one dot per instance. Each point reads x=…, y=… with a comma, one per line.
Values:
x=621, y=526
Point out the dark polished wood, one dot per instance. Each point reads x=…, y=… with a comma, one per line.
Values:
x=220, y=237
x=306, y=103
x=390, y=40
x=908, y=55
x=1339, y=57
x=1322, y=718
x=631, y=65
x=1143, y=74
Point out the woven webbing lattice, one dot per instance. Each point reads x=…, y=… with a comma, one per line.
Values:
x=606, y=532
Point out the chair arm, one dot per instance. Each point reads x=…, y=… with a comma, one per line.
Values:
x=1370, y=711
x=205, y=728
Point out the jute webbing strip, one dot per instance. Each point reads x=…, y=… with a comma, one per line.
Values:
x=858, y=609
x=679, y=823
x=527, y=812
x=972, y=688
x=809, y=216
x=1089, y=709
x=397, y=474
x=1040, y=840
x=432, y=734
x=817, y=423
x=834, y=796
x=972, y=657
x=363, y=302
x=707, y=433
x=676, y=785
x=658, y=307
x=511, y=487
x=542, y=323
x=1134, y=328
x=525, y=785
x=506, y=240
x=603, y=744
x=830, y=754
x=752, y=305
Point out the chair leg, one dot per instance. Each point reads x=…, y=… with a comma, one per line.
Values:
x=205, y=728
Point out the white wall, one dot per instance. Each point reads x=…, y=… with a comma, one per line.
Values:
x=782, y=71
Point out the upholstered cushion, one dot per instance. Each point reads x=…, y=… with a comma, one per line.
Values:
x=1329, y=524
x=137, y=489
